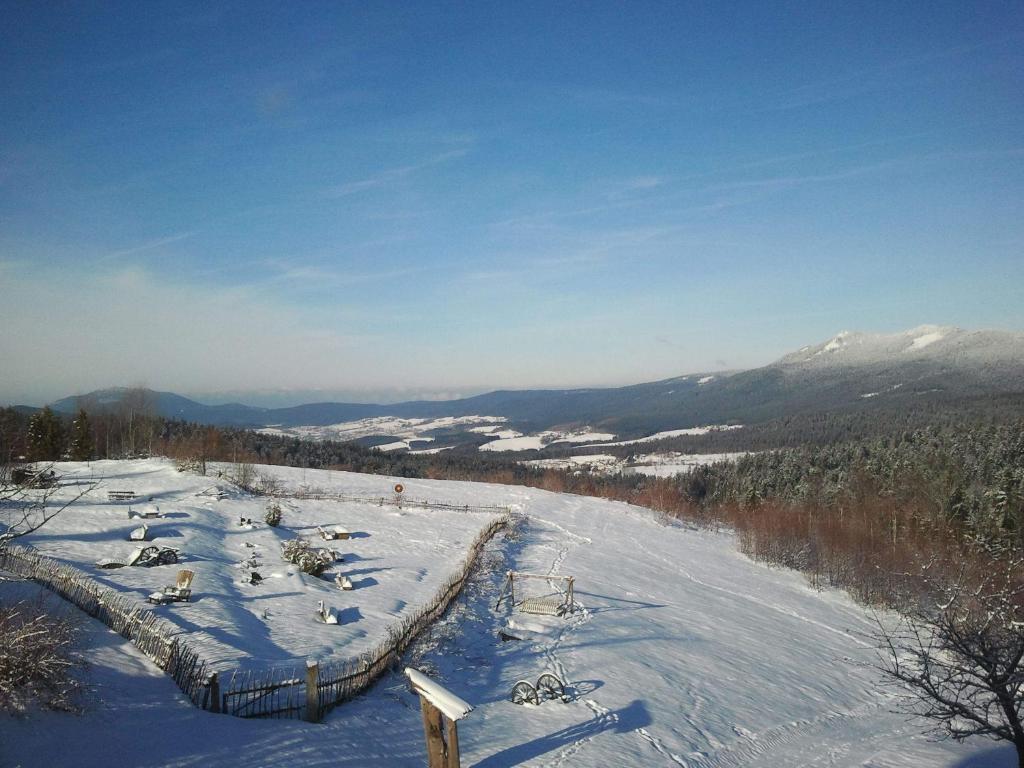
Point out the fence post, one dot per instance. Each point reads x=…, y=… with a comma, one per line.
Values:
x=214, y=693
x=433, y=728
x=312, y=692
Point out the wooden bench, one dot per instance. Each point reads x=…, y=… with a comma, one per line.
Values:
x=182, y=590
x=121, y=495
x=333, y=534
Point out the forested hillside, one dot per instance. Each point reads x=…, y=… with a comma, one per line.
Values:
x=850, y=498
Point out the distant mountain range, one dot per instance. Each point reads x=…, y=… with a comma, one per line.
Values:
x=849, y=371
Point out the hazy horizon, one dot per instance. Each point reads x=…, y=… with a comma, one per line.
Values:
x=378, y=199
x=285, y=397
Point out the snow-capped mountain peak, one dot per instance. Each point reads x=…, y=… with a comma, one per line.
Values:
x=925, y=342
x=925, y=335
x=840, y=341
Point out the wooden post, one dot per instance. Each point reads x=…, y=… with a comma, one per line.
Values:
x=452, y=728
x=312, y=694
x=505, y=589
x=432, y=728
x=572, y=600
x=441, y=710
x=214, y=684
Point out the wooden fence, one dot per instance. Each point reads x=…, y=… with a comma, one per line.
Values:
x=380, y=501
x=283, y=692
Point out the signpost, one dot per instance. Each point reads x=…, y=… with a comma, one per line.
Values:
x=441, y=711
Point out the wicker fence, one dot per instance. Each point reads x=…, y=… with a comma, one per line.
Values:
x=158, y=639
x=305, y=692
x=380, y=501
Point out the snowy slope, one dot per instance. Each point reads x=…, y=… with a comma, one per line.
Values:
x=936, y=343
x=682, y=653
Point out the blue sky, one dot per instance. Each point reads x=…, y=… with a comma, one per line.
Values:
x=388, y=200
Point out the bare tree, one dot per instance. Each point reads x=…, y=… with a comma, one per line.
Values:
x=957, y=657
x=37, y=659
x=136, y=407
x=29, y=499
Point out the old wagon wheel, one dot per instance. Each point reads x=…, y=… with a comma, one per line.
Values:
x=524, y=693
x=167, y=556
x=550, y=687
x=149, y=556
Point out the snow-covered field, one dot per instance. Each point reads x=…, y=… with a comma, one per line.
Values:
x=409, y=430
x=682, y=653
x=510, y=440
x=397, y=559
x=689, y=431
x=603, y=463
x=668, y=464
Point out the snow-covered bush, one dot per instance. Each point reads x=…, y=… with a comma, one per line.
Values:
x=250, y=479
x=309, y=559
x=243, y=474
x=273, y=515
x=266, y=485
x=188, y=464
x=37, y=664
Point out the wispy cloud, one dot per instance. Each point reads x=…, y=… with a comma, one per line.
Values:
x=901, y=72
x=283, y=270
x=392, y=175
x=150, y=245
x=871, y=168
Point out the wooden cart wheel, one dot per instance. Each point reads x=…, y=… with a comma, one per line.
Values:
x=167, y=557
x=550, y=687
x=524, y=693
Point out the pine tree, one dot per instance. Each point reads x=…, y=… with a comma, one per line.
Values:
x=81, y=437
x=45, y=436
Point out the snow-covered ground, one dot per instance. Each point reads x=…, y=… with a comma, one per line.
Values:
x=410, y=430
x=689, y=431
x=396, y=558
x=510, y=440
x=668, y=464
x=603, y=463
x=682, y=653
